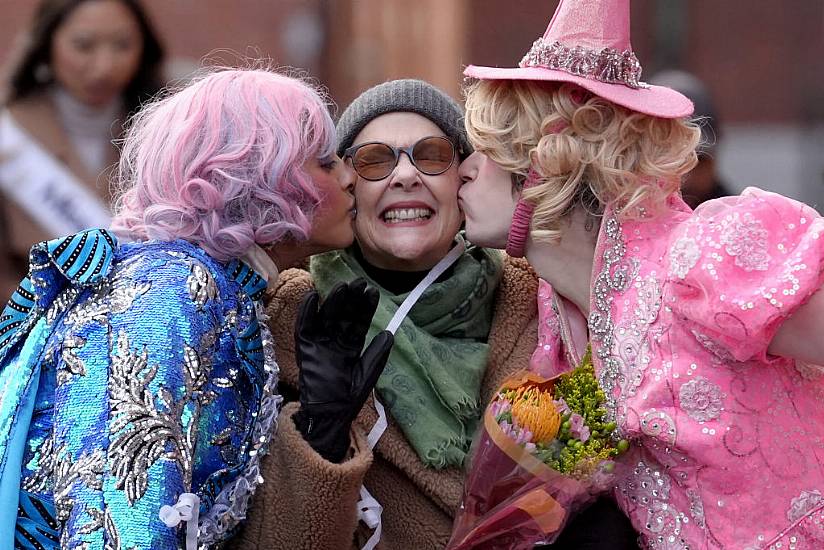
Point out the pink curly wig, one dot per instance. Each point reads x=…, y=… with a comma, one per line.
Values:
x=220, y=163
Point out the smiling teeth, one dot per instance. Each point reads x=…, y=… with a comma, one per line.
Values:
x=406, y=214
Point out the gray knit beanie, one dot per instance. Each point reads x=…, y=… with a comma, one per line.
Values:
x=408, y=95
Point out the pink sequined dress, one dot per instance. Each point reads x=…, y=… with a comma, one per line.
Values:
x=728, y=441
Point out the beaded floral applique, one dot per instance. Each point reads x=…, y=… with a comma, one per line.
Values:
x=615, y=276
x=701, y=399
x=745, y=238
x=804, y=503
x=683, y=256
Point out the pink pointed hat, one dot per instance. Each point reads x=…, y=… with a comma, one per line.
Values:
x=587, y=43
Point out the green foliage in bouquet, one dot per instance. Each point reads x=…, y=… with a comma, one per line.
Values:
x=584, y=442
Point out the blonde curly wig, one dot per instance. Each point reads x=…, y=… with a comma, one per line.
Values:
x=605, y=152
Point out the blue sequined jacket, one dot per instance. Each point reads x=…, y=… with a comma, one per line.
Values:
x=130, y=375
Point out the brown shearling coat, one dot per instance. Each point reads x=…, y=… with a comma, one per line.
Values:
x=306, y=502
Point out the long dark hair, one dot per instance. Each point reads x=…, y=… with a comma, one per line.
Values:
x=37, y=51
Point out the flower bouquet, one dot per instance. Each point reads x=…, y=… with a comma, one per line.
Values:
x=544, y=451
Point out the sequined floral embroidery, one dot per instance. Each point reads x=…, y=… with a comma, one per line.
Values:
x=615, y=277
x=745, y=238
x=659, y=425
x=701, y=399
x=809, y=371
x=42, y=472
x=649, y=488
x=720, y=355
x=683, y=256
x=201, y=285
x=88, y=469
x=102, y=520
x=72, y=364
x=803, y=504
x=631, y=344
x=143, y=431
x=696, y=507
x=62, y=302
x=108, y=298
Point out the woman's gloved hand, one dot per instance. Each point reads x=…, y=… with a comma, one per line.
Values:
x=335, y=378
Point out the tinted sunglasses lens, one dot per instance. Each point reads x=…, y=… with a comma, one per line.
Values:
x=374, y=161
x=433, y=155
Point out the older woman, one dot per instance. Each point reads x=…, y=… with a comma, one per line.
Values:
x=137, y=381
x=471, y=328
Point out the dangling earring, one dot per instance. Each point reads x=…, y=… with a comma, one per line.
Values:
x=42, y=73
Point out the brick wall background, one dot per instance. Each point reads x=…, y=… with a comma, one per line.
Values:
x=763, y=60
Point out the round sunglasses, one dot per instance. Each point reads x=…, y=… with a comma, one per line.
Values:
x=375, y=160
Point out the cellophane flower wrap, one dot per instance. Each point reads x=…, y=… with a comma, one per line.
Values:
x=544, y=452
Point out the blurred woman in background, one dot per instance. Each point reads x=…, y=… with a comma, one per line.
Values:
x=84, y=66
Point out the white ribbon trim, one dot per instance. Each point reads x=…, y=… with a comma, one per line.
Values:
x=187, y=508
x=369, y=512
x=369, y=509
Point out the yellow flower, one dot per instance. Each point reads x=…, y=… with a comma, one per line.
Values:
x=534, y=410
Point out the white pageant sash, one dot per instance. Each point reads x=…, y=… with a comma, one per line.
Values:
x=45, y=189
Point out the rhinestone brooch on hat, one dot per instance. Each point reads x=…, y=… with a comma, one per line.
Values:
x=607, y=64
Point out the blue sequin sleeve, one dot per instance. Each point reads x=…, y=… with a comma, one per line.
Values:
x=151, y=373
x=125, y=428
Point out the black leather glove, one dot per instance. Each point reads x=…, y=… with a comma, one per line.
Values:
x=335, y=379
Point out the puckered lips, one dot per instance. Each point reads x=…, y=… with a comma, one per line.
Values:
x=407, y=214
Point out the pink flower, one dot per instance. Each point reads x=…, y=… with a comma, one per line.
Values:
x=516, y=433
x=501, y=406
x=523, y=437
x=577, y=427
x=561, y=405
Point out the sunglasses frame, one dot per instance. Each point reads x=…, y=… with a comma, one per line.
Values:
x=350, y=153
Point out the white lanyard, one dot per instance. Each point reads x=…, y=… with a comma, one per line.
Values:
x=369, y=509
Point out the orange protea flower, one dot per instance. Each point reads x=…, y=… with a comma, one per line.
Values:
x=534, y=410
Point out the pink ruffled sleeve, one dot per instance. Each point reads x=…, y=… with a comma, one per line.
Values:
x=741, y=265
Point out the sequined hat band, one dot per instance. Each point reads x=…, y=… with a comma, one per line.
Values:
x=587, y=42
x=606, y=65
